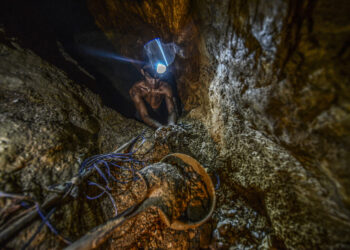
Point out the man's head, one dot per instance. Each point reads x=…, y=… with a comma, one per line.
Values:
x=151, y=76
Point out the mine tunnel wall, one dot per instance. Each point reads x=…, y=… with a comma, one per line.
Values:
x=268, y=83
x=57, y=29
x=280, y=66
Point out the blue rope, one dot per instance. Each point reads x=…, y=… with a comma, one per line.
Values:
x=112, y=159
x=88, y=164
x=116, y=165
x=102, y=175
x=25, y=204
x=217, y=186
x=45, y=220
x=108, y=193
x=40, y=227
x=95, y=197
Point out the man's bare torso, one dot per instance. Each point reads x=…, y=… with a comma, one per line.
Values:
x=153, y=97
x=153, y=92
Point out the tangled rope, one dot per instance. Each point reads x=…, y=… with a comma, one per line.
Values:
x=113, y=160
x=25, y=203
x=106, y=165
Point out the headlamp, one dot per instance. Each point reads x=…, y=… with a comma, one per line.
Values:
x=160, y=55
x=160, y=68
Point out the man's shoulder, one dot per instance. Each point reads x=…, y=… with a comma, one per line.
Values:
x=136, y=89
x=138, y=84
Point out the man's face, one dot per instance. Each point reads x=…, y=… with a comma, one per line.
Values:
x=152, y=82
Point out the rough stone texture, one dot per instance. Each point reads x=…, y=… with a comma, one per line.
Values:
x=278, y=85
x=48, y=126
x=271, y=85
x=266, y=85
x=239, y=220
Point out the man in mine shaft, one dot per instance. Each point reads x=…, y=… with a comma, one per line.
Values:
x=153, y=99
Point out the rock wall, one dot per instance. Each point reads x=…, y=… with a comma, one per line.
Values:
x=278, y=105
x=130, y=25
x=269, y=80
x=266, y=88
x=48, y=125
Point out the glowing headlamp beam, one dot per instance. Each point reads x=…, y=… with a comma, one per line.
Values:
x=105, y=54
x=161, y=50
x=126, y=59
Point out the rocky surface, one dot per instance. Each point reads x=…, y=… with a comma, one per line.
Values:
x=48, y=126
x=266, y=88
x=269, y=82
x=278, y=107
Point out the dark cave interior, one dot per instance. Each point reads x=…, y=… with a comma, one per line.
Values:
x=47, y=27
x=264, y=91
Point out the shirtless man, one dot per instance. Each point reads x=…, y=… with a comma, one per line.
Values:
x=152, y=92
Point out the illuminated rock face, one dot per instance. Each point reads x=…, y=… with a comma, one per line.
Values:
x=130, y=25
x=266, y=88
x=277, y=71
x=270, y=82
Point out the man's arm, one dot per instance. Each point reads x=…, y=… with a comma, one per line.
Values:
x=141, y=108
x=170, y=105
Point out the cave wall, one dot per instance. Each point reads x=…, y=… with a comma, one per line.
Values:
x=48, y=126
x=130, y=25
x=269, y=81
x=278, y=70
x=265, y=85
x=65, y=34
